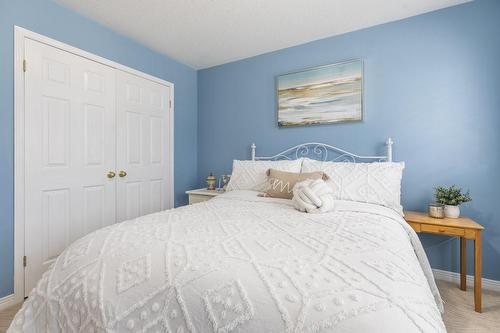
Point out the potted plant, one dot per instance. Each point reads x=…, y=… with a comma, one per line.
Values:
x=451, y=197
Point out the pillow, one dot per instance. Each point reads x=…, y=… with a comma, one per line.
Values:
x=377, y=183
x=281, y=183
x=251, y=175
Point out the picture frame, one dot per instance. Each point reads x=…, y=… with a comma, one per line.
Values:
x=321, y=95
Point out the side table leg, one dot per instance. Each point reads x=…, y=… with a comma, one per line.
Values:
x=477, y=272
x=463, y=263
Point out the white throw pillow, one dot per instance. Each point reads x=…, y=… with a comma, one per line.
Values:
x=377, y=183
x=252, y=175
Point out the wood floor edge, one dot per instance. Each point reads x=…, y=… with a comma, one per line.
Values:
x=7, y=301
x=487, y=284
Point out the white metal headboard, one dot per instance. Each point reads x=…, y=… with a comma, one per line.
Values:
x=320, y=151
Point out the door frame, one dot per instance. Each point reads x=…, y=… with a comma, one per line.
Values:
x=20, y=34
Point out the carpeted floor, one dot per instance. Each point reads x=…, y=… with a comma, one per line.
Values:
x=6, y=317
x=459, y=315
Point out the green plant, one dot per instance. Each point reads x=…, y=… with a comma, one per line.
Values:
x=452, y=195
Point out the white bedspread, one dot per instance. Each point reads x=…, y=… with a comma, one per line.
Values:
x=244, y=264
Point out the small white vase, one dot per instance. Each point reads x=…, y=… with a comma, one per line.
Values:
x=451, y=211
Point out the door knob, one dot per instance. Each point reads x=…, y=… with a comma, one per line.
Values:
x=111, y=174
x=122, y=173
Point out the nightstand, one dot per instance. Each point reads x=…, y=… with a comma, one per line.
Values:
x=201, y=195
x=462, y=227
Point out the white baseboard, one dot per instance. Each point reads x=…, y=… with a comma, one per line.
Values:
x=7, y=302
x=487, y=284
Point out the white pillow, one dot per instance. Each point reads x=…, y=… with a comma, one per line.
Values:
x=377, y=183
x=251, y=175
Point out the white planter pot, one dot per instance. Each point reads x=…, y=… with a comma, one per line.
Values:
x=451, y=211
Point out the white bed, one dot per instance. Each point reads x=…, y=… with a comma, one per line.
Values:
x=241, y=263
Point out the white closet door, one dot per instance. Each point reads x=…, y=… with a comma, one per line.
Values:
x=69, y=149
x=142, y=146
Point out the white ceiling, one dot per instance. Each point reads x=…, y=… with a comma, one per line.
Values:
x=205, y=33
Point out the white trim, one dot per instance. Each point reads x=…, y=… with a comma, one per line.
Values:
x=487, y=284
x=171, y=149
x=20, y=34
x=6, y=302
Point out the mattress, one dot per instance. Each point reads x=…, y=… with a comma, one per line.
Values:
x=241, y=263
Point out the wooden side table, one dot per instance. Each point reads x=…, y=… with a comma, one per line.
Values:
x=201, y=195
x=462, y=227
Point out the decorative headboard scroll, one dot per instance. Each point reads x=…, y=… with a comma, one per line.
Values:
x=324, y=152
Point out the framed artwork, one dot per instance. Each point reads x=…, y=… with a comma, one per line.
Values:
x=321, y=95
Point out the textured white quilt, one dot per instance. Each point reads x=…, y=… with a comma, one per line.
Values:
x=239, y=263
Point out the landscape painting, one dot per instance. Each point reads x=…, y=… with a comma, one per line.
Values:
x=322, y=95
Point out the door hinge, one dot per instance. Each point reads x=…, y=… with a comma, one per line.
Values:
x=24, y=65
x=170, y=104
x=24, y=261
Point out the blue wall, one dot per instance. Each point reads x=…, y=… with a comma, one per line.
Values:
x=432, y=82
x=49, y=19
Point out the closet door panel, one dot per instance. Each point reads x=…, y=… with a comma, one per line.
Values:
x=69, y=149
x=142, y=120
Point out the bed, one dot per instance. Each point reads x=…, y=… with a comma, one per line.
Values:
x=241, y=263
